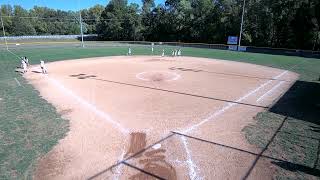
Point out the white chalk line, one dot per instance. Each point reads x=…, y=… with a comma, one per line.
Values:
x=90, y=106
x=17, y=81
x=176, y=76
x=118, y=170
x=13, y=53
x=192, y=166
x=270, y=91
x=193, y=175
x=229, y=105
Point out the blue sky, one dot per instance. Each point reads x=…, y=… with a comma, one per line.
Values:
x=64, y=4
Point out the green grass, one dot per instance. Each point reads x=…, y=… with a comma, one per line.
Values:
x=30, y=127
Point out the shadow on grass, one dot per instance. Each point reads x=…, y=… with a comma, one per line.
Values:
x=297, y=167
x=290, y=131
x=302, y=101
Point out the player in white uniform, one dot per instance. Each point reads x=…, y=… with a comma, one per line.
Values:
x=162, y=53
x=129, y=51
x=152, y=44
x=43, y=67
x=26, y=60
x=21, y=62
x=24, y=66
x=179, y=52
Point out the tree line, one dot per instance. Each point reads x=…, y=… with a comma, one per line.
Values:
x=267, y=23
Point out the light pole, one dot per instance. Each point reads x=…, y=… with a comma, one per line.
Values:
x=4, y=33
x=241, y=27
x=81, y=29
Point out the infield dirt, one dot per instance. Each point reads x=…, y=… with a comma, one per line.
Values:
x=118, y=106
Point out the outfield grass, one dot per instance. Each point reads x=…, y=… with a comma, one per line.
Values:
x=30, y=127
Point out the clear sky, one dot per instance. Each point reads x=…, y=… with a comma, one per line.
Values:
x=64, y=4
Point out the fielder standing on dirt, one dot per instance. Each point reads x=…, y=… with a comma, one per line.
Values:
x=26, y=60
x=24, y=67
x=21, y=62
x=179, y=52
x=43, y=67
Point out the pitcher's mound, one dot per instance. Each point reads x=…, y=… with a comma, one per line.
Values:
x=158, y=76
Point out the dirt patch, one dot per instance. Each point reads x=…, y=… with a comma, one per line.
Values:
x=65, y=112
x=153, y=60
x=152, y=161
x=157, y=76
x=51, y=166
x=157, y=167
x=151, y=153
x=77, y=75
x=186, y=69
x=95, y=141
x=137, y=143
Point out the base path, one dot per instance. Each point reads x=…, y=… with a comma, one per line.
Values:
x=144, y=117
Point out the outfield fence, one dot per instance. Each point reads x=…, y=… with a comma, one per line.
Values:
x=46, y=37
x=17, y=42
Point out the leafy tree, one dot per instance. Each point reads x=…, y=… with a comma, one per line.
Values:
x=91, y=17
x=22, y=26
x=119, y=21
x=146, y=16
x=272, y=23
x=6, y=10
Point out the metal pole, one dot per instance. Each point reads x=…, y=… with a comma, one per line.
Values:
x=81, y=29
x=241, y=28
x=4, y=33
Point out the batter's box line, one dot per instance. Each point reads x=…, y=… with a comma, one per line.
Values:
x=143, y=171
x=124, y=161
x=214, y=143
x=260, y=155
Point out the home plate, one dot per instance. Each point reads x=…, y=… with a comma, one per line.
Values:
x=157, y=146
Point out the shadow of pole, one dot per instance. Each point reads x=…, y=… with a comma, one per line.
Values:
x=264, y=149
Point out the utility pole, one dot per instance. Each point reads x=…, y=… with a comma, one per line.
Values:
x=241, y=27
x=4, y=32
x=81, y=29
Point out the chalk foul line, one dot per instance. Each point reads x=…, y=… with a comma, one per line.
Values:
x=191, y=165
x=90, y=106
x=230, y=105
x=118, y=170
x=270, y=91
x=19, y=84
x=13, y=54
x=193, y=175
